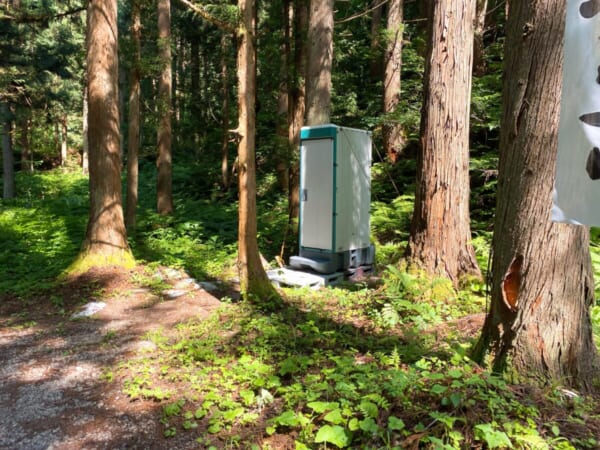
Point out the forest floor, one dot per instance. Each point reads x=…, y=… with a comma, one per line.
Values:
x=58, y=388
x=53, y=392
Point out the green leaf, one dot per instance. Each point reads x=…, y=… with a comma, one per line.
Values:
x=493, y=438
x=395, y=423
x=247, y=396
x=438, y=389
x=287, y=419
x=455, y=373
x=231, y=414
x=368, y=425
x=321, y=407
x=369, y=409
x=334, y=417
x=335, y=435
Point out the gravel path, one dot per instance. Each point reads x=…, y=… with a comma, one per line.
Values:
x=52, y=391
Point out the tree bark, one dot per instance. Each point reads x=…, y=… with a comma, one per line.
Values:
x=106, y=239
x=479, y=66
x=539, y=323
x=440, y=232
x=26, y=154
x=320, y=60
x=254, y=284
x=8, y=159
x=64, y=147
x=164, y=188
x=133, y=143
x=225, y=180
x=393, y=138
x=296, y=104
x=195, y=107
x=85, y=162
x=283, y=99
x=375, y=66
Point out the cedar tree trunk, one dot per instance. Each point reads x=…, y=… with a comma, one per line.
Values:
x=133, y=143
x=393, y=140
x=105, y=243
x=320, y=60
x=542, y=289
x=254, y=284
x=8, y=159
x=85, y=153
x=440, y=233
x=479, y=65
x=225, y=180
x=164, y=188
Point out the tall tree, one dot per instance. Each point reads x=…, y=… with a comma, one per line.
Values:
x=440, y=231
x=106, y=239
x=8, y=158
x=254, y=283
x=25, y=127
x=393, y=140
x=376, y=17
x=320, y=62
x=225, y=113
x=479, y=65
x=85, y=151
x=133, y=142
x=297, y=101
x=542, y=288
x=164, y=189
x=64, y=145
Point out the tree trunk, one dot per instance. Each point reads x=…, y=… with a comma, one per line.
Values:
x=8, y=159
x=85, y=163
x=542, y=289
x=106, y=239
x=133, y=143
x=440, y=233
x=375, y=63
x=225, y=119
x=195, y=107
x=26, y=156
x=254, y=284
x=122, y=81
x=479, y=65
x=393, y=138
x=296, y=104
x=164, y=188
x=283, y=155
x=320, y=60
x=64, y=147
x=57, y=143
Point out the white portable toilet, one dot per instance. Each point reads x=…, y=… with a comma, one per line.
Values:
x=335, y=199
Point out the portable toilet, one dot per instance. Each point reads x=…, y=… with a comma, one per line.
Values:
x=335, y=199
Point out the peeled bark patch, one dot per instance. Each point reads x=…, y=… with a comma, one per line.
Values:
x=511, y=283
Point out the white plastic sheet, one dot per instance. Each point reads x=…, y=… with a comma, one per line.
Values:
x=577, y=185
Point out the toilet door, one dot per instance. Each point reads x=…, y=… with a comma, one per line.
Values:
x=316, y=194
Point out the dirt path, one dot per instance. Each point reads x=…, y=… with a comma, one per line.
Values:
x=53, y=391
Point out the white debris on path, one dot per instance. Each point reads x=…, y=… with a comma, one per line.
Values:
x=89, y=309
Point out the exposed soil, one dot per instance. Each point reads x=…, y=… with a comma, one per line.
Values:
x=52, y=391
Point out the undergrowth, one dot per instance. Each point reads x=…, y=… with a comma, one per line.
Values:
x=324, y=376
x=349, y=367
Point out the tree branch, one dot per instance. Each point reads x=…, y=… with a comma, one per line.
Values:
x=362, y=13
x=33, y=18
x=209, y=17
